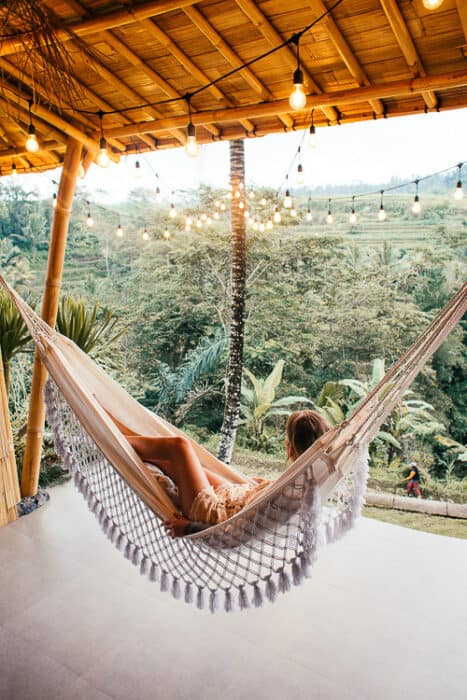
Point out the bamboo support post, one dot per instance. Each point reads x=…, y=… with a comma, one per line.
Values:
x=32, y=454
x=9, y=486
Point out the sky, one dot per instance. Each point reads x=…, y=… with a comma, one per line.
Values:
x=370, y=152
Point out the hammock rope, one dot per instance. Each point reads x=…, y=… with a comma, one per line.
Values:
x=261, y=551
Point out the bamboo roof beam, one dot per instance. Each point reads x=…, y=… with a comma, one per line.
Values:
x=272, y=36
x=230, y=56
x=462, y=11
x=412, y=86
x=109, y=20
x=407, y=46
x=344, y=50
x=136, y=61
x=188, y=64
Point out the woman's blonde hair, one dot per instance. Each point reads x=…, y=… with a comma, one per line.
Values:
x=303, y=428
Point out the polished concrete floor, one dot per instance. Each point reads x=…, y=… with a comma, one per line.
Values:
x=384, y=616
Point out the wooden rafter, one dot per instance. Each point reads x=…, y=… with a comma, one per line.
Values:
x=188, y=64
x=110, y=20
x=462, y=11
x=342, y=97
x=230, y=56
x=272, y=36
x=405, y=41
x=344, y=50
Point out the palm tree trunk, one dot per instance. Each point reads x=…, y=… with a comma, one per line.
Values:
x=237, y=319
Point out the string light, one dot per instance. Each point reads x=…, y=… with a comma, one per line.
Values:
x=277, y=216
x=173, y=211
x=293, y=212
x=432, y=4
x=54, y=200
x=309, y=215
x=32, y=145
x=416, y=206
x=216, y=215
x=119, y=230
x=269, y=224
x=312, y=132
x=89, y=220
x=261, y=227
x=300, y=179
x=158, y=194
x=14, y=171
x=145, y=234
x=103, y=159
x=166, y=234
x=263, y=201
x=191, y=144
x=138, y=171
x=287, y=198
x=353, y=215
x=459, y=192
x=223, y=207
x=329, y=217
x=297, y=99
x=381, y=212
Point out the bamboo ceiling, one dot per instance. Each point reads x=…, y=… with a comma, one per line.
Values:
x=366, y=59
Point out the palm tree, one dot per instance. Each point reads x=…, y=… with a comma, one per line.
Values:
x=237, y=319
x=14, y=335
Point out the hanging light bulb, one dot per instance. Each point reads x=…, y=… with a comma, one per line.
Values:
x=262, y=227
x=293, y=212
x=263, y=201
x=297, y=99
x=277, y=216
x=255, y=225
x=241, y=204
x=203, y=217
x=188, y=221
x=166, y=234
x=217, y=204
x=309, y=215
x=416, y=206
x=89, y=220
x=251, y=194
x=208, y=221
x=138, y=171
x=459, y=192
x=223, y=207
x=353, y=215
x=103, y=159
x=119, y=230
x=216, y=215
x=54, y=200
x=158, y=194
x=173, y=211
x=432, y=4
x=269, y=224
x=311, y=141
x=199, y=223
x=381, y=212
x=32, y=145
x=300, y=176
x=329, y=217
x=191, y=144
x=145, y=234
x=14, y=171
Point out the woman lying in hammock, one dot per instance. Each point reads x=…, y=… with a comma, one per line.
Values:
x=206, y=498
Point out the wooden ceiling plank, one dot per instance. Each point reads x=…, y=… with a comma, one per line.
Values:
x=387, y=90
x=110, y=20
x=407, y=46
x=272, y=36
x=344, y=50
x=462, y=12
x=230, y=56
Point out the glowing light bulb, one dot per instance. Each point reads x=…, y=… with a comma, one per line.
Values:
x=32, y=145
x=432, y=4
x=416, y=206
x=381, y=214
x=187, y=228
x=300, y=175
x=240, y=185
x=277, y=216
x=458, y=192
x=138, y=171
x=89, y=220
x=173, y=211
x=287, y=200
x=329, y=218
x=255, y=226
x=261, y=226
x=103, y=159
x=158, y=195
x=247, y=214
x=263, y=201
x=311, y=140
x=145, y=235
x=237, y=194
x=241, y=204
x=203, y=217
x=217, y=204
x=188, y=221
x=297, y=99
x=208, y=221
x=191, y=145
x=14, y=171
x=269, y=224
x=54, y=200
x=199, y=223
x=119, y=231
x=293, y=212
x=166, y=234
x=216, y=215
x=251, y=194
x=353, y=217
x=223, y=207
x=309, y=215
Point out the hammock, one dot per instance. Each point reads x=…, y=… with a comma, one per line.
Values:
x=266, y=547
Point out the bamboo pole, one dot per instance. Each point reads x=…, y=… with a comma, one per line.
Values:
x=397, y=88
x=9, y=486
x=32, y=454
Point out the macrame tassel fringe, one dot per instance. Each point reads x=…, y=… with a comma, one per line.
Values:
x=200, y=599
x=189, y=597
x=228, y=602
x=213, y=601
x=270, y=590
x=242, y=599
x=257, y=596
x=164, y=585
x=283, y=583
x=297, y=575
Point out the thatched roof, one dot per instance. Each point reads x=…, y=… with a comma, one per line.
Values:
x=367, y=59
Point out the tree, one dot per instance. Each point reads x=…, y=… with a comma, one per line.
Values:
x=14, y=335
x=237, y=320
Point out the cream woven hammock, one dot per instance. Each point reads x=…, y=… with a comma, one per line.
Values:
x=264, y=548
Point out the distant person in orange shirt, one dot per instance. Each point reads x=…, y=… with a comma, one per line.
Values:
x=413, y=480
